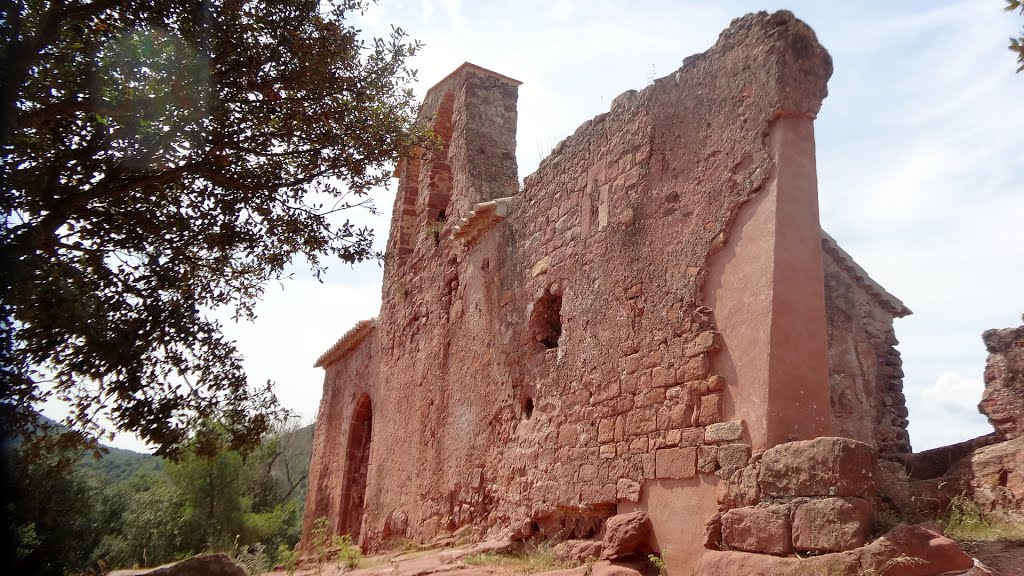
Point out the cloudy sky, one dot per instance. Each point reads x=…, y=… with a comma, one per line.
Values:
x=919, y=164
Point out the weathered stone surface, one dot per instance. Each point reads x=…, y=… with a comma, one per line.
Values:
x=578, y=550
x=936, y=553
x=819, y=467
x=739, y=489
x=1003, y=399
x=625, y=534
x=723, y=432
x=997, y=477
x=605, y=568
x=732, y=457
x=865, y=375
x=831, y=524
x=731, y=563
x=765, y=530
x=676, y=462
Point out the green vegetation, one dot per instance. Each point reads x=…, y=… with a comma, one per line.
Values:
x=1017, y=44
x=658, y=563
x=966, y=521
x=144, y=511
x=162, y=160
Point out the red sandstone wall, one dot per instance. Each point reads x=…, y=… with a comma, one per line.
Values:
x=476, y=421
x=865, y=369
x=1003, y=400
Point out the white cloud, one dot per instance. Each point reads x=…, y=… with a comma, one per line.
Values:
x=946, y=412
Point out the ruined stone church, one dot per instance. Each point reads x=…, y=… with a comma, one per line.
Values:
x=653, y=314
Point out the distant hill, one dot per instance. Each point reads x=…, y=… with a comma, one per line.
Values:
x=121, y=464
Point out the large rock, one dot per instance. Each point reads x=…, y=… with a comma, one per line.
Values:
x=820, y=467
x=625, y=534
x=831, y=524
x=733, y=563
x=765, y=530
x=1003, y=399
x=926, y=553
x=578, y=550
x=929, y=553
x=998, y=476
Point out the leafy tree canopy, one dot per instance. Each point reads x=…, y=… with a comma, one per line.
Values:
x=1017, y=44
x=162, y=159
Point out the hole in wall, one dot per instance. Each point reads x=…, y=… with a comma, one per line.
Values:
x=528, y=408
x=546, y=320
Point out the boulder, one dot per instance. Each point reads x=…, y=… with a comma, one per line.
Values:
x=766, y=530
x=831, y=524
x=731, y=563
x=605, y=568
x=625, y=534
x=925, y=551
x=578, y=550
x=821, y=467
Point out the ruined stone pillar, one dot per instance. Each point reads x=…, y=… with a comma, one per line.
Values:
x=769, y=300
x=483, y=142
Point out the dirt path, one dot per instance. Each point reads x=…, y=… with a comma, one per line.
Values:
x=1002, y=557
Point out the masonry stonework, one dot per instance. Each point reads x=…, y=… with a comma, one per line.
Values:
x=631, y=330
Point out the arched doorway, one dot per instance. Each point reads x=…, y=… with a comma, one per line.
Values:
x=357, y=461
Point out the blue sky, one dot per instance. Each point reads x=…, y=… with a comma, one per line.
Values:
x=919, y=164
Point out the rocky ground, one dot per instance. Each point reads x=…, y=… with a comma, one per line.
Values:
x=1002, y=557
x=485, y=559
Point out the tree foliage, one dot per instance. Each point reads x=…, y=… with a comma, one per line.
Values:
x=165, y=158
x=84, y=519
x=1017, y=44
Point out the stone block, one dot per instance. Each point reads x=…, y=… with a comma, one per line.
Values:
x=662, y=377
x=695, y=368
x=624, y=534
x=710, y=409
x=707, y=459
x=723, y=432
x=704, y=343
x=831, y=524
x=762, y=530
x=738, y=489
x=676, y=462
x=732, y=457
x=627, y=490
x=821, y=467
x=715, y=383
x=606, y=430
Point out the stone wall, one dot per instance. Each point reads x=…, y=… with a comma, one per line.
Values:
x=865, y=369
x=647, y=312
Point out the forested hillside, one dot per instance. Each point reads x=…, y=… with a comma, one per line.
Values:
x=130, y=509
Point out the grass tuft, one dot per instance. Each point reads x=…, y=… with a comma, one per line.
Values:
x=529, y=560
